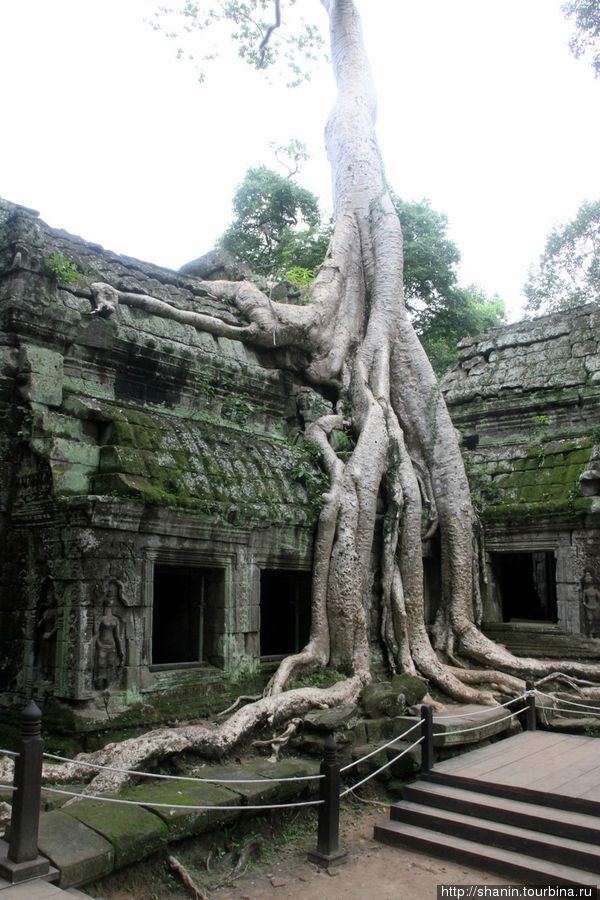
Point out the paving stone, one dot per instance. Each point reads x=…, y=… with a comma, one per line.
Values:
x=79, y=852
x=184, y=822
x=134, y=833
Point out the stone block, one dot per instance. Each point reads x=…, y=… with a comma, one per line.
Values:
x=41, y=375
x=381, y=699
x=134, y=832
x=78, y=851
x=180, y=822
x=329, y=720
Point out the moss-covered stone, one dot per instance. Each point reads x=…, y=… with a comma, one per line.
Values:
x=133, y=832
x=381, y=699
x=78, y=851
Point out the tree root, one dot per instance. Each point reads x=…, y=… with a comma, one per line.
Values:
x=186, y=878
x=252, y=847
x=278, y=743
x=243, y=698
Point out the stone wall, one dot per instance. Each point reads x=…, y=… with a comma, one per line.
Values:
x=130, y=443
x=527, y=404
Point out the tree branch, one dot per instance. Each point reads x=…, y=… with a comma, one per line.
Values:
x=269, y=32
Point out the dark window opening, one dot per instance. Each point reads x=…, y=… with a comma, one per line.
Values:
x=471, y=441
x=284, y=612
x=526, y=584
x=187, y=615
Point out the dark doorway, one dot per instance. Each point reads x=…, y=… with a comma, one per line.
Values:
x=284, y=612
x=185, y=614
x=527, y=585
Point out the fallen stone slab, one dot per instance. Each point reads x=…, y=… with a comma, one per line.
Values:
x=181, y=823
x=263, y=793
x=134, y=833
x=79, y=852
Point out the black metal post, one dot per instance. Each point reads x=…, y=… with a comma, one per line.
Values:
x=530, y=717
x=328, y=851
x=21, y=860
x=427, y=756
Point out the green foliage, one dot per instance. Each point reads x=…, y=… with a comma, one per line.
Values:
x=277, y=226
x=63, y=270
x=442, y=312
x=568, y=272
x=462, y=312
x=306, y=470
x=301, y=277
x=430, y=257
x=322, y=678
x=586, y=39
x=252, y=26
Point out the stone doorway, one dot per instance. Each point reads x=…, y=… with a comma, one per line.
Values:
x=526, y=585
x=185, y=612
x=284, y=612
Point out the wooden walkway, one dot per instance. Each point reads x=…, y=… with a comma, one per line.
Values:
x=527, y=806
x=557, y=765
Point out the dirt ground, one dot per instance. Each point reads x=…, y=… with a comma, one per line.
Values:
x=371, y=870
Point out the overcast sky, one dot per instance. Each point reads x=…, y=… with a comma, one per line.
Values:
x=482, y=110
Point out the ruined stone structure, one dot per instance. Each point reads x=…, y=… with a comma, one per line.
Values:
x=526, y=400
x=158, y=504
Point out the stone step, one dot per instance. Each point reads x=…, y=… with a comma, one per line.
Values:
x=542, y=640
x=575, y=825
x=521, y=866
x=542, y=846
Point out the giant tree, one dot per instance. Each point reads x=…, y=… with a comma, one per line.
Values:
x=355, y=342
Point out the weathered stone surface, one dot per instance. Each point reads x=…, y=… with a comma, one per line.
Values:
x=182, y=822
x=78, y=851
x=413, y=689
x=381, y=699
x=526, y=402
x=133, y=832
x=216, y=264
x=132, y=441
x=329, y=720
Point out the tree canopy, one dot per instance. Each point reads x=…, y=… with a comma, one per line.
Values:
x=586, y=38
x=254, y=26
x=442, y=311
x=277, y=225
x=267, y=233
x=568, y=271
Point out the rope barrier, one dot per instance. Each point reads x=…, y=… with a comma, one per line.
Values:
x=481, y=712
x=478, y=727
x=89, y=765
x=575, y=712
x=145, y=803
x=383, y=747
x=381, y=768
x=7, y=787
x=8, y=753
x=570, y=702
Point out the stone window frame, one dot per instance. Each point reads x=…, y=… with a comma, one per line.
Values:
x=274, y=562
x=193, y=558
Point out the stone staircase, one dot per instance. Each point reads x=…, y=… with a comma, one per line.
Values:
x=542, y=839
x=543, y=640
